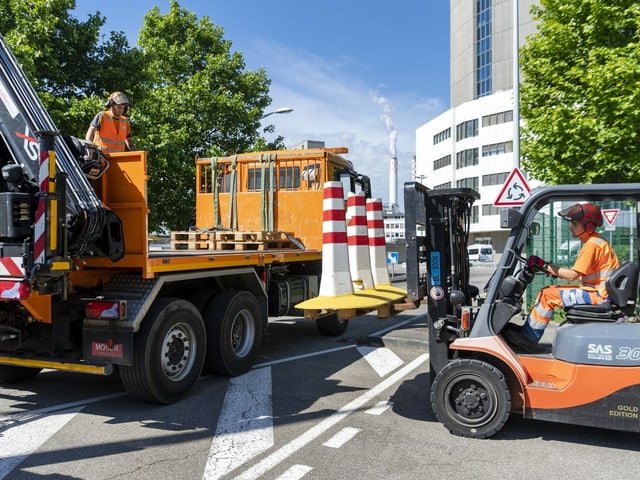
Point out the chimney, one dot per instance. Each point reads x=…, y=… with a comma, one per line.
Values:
x=393, y=182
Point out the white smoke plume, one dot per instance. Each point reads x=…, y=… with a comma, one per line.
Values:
x=388, y=121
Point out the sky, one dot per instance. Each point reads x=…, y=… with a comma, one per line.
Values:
x=362, y=74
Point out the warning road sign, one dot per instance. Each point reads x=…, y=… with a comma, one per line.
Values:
x=515, y=190
x=610, y=215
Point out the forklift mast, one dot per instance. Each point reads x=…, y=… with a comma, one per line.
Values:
x=437, y=258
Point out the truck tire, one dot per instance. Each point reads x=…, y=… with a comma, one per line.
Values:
x=234, y=332
x=331, y=326
x=15, y=374
x=471, y=398
x=168, y=352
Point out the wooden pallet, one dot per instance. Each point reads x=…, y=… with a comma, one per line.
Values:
x=261, y=245
x=259, y=240
x=261, y=236
x=193, y=240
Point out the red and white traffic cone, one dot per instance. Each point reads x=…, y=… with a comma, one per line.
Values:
x=358, y=242
x=336, y=277
x=377, y=243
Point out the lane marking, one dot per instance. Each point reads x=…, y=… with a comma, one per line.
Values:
x=300, y=357
x=295, y=473
x=342, y=437
x=381, y=359
x=314, y=432
x=20, y=441
x=245, y=424
x=380, y=407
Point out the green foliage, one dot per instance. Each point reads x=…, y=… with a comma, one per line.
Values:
x=190, y=94
x=64, y=60
x=580, y=99
x=199, y=100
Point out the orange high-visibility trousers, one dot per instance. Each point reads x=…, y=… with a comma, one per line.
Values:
x=554, y=296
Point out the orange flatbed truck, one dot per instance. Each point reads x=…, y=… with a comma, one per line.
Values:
x=82, y=290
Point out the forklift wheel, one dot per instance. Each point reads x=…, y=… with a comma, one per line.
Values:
x=471, y=398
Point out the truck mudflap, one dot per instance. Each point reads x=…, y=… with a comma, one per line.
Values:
x=107, y=345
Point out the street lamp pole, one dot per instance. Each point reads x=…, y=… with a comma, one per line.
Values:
x=421, y=177
x=278, y=111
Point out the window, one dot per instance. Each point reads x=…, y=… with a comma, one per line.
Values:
x=483, y=48
x=467, y=158
x=475, y=218
x=442, y=136
x=442, y=162
x=467, y=129
x=494, y=179
x=497, y=118
x=490, y=210
x=497, y=148
x=289, y=178
x=471, y=182
x=254, y=182
x=442, y=186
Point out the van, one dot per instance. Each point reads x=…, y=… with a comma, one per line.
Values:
x=480, y=253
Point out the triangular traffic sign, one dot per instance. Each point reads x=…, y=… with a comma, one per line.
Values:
x=514, y=191
x=610, y=215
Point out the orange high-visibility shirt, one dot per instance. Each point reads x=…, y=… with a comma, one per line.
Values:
x=596, y=261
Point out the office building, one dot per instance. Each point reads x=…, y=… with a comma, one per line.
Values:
x=471, y=144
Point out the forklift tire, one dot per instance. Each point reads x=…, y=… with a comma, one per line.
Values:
x=15, y=374
x=168, y=352
x=234, y=332
x=471, y=398
x=331, y=326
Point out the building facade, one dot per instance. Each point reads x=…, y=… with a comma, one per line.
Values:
x=471, y=144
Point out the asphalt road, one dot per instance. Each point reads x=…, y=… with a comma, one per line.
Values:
x=350, y=407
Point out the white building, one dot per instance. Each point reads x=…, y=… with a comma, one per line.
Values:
x=471, y=144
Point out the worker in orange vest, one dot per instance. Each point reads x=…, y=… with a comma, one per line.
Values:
x=595, y=262
x=110, y=129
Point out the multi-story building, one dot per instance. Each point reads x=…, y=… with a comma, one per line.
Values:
x=471, y=144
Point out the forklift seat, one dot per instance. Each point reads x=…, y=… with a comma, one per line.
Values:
x=622, y=287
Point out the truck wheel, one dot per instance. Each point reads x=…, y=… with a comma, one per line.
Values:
x=234, y=332
x=471, y=398
x=15, y=374
x=331, y=326
x=168, y=352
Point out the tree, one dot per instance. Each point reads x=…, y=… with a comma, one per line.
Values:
x=66, y=63
x=580, y=99
x=198, y=100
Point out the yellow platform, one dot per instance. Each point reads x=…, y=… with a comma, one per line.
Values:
x=354, y=304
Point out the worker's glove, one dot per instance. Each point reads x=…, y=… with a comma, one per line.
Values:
x=536, y=264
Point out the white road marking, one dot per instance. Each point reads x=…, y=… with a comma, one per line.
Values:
x=314, y=432
x=382, y=360
x=342, y=437
x=295, y=473
x=300, y=357
x=245, y=425
x=380, y=407
x=19, y=441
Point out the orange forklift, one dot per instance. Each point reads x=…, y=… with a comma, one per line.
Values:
x=586, y=373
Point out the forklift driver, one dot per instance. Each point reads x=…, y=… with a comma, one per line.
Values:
x=595, y=262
